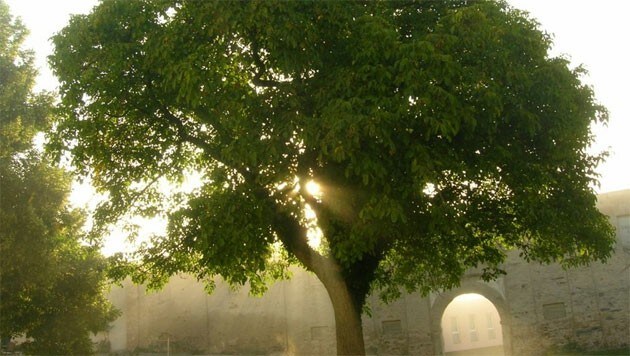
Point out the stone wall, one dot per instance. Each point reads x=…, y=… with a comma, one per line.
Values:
x=540, y=306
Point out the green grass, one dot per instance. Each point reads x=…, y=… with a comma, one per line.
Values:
x=574, y=352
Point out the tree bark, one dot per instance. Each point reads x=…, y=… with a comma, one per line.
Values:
x=348, y=326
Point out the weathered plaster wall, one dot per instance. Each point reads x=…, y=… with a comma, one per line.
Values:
x=539, y=306
x=588, y=306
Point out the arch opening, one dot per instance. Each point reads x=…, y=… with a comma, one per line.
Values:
x=471, y=325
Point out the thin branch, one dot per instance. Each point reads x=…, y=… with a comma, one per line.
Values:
x=113, y=215
x=206, y=118
x=211, y=151
x=184, y=136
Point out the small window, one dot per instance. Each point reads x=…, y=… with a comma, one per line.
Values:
x=492, y=335
x=554, y=311
x=491, y=332
x=456, y=338
x=473, y=328
x=455, y=331
x=391, y=327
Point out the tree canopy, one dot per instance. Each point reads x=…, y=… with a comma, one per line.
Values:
x=442, y=134
x=51, y=281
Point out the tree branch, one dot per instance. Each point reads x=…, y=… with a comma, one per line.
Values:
x=292, y=234
x=184, y=136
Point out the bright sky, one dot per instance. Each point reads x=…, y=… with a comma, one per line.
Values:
x=593, y=33
x=589, y=32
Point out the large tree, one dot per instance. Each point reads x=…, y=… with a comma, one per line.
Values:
x=51, y=281
x=441, y=134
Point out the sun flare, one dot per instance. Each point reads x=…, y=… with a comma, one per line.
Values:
x=313, y=188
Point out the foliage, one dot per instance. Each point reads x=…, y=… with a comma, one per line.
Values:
x=51, y=283
x=441, y=133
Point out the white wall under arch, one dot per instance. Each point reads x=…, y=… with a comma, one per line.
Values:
x=470, y=322
x=489, y=291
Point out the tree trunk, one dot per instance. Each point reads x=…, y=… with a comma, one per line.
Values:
x=348, y=326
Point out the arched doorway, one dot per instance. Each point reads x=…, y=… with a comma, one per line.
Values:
x=484, y=293
x=471, y=325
